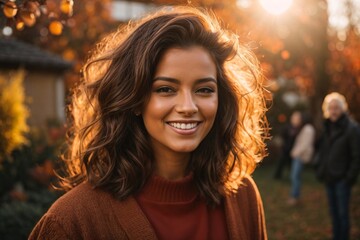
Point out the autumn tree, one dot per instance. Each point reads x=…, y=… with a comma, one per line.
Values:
x=13, y=113
x=344, y=50
x=91, y=20
x=295, y=45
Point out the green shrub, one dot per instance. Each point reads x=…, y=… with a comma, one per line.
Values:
x=26, y=181
x=19, y=218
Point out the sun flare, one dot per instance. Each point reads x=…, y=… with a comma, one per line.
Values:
x=276, y=7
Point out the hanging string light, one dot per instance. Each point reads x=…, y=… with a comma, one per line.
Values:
x=25, y=13
x=56, y=27
x=66, y=7
x=10, y=9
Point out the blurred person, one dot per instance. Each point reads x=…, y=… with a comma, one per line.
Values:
x=168, y=125
x=301, y=152
x=288, y=136
x=338, y=161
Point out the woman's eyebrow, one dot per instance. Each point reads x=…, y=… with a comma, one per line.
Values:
x=176, y=81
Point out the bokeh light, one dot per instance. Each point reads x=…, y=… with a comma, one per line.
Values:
x=276, y=7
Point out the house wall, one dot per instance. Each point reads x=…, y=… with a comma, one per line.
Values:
x=45, y=93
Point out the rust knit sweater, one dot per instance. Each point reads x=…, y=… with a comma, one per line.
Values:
x=176, y=211
x=87, y=213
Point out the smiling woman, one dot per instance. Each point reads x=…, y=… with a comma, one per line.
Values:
x=276, y=7
x=168, y=125
x=182, y=107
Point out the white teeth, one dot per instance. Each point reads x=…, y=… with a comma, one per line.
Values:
x=183, y=126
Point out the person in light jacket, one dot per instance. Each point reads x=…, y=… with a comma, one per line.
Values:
x=301, y=153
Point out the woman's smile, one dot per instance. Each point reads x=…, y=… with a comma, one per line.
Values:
x=184, y=128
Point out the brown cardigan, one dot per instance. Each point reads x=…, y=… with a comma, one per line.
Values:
x=87, y=213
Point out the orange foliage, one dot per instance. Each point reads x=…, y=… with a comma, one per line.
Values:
x=344, y=69
x=294, y=45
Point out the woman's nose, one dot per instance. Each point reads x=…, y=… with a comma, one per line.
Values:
x=186, y=104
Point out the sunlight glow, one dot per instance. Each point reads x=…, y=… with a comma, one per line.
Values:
x=342, y=15
x=276, y=7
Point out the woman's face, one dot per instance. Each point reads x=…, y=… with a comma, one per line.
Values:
x=183, y=101
x=296, y=119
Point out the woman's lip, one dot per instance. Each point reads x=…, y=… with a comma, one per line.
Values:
x=184, y=121
x=184, y=131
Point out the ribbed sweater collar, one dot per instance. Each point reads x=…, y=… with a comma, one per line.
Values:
x=161, y=190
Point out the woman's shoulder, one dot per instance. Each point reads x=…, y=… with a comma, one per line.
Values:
x=71, y=215
x=245, y=211
x=247, y=190
x=247, y=197
x=77, y=203
x=249, y=186
x=78, y=198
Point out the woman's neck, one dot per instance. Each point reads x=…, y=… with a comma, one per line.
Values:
x=170, y=165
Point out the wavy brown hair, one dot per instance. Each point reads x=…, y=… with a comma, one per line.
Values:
x=108, y=143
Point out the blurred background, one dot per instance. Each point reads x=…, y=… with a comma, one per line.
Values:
x=307, y=48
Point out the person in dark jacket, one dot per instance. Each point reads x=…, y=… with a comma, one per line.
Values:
x=338, y=161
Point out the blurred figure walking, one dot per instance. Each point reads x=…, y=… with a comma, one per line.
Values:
x=288, y=138
x=338, y=161
x=301, y=153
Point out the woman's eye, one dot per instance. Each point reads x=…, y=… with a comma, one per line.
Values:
x=205, y=90
x=164, y=90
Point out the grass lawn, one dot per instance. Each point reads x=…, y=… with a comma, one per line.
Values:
x=308, y=220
